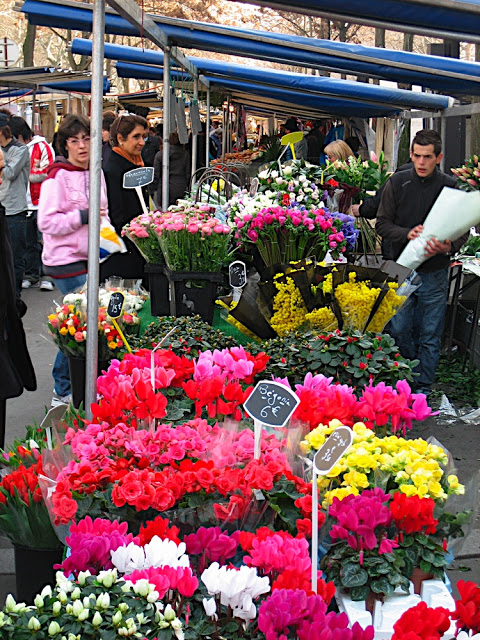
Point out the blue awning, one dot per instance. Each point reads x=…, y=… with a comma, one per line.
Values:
x=441, y=74
x=394, y=98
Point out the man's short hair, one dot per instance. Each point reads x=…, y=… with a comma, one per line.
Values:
x=426, y=137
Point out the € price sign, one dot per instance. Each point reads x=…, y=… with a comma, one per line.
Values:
x=115, y=304
x=336, y=445
x=237, y=274
x=138, y=177
x=271, y=403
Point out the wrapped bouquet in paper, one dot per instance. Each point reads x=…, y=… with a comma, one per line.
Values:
x=452, y=215
x=110, y=242
x=305, y=294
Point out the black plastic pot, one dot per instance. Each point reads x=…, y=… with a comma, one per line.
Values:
x=34, y=570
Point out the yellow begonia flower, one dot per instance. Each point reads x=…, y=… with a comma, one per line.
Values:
x=408, y=489
x=356, y=479
x=339, y=493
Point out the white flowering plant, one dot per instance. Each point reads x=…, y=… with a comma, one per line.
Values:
x=89, y=607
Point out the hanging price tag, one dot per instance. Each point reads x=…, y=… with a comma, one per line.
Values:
x=237, y=274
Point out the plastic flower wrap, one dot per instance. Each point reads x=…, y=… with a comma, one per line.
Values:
x=305, y=295
x=141, y=231
x=468, y=175
x=413, y=467
x=283, y=234
x=24, y=516
x=68, y=323
x=193, y=240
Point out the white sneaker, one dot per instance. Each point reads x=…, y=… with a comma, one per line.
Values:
x=46, y=285
x=58, y=400
x=26, y=284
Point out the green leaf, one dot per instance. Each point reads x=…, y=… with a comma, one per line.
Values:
x=425, y=566
x=326, y=357
x=352, y=575
x=359, y=593
x=383, y=586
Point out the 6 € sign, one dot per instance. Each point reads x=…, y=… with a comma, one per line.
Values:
x=336, y=445
x=271, y=403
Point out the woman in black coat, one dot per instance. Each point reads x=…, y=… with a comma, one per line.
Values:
x=179, y=172
x=127, y=135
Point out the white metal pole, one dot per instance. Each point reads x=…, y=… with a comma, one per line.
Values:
x=166, y=128
x=95, y=176
x=194, y=134
x=207, y=131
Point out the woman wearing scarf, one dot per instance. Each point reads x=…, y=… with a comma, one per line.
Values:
x=127, y=135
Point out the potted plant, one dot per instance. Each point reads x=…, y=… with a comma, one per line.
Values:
x=362, y=559
x=25, y=521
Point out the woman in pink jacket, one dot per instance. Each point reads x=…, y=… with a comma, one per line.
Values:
x=63, y=219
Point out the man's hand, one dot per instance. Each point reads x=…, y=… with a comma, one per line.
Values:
x=415, y=232
x=434, y=246
x=356, y=210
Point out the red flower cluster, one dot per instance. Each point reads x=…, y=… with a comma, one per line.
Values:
x=422, y=623
x=467, y=611
x=219, y=398
x=413, y=514
x=23, y=482
x=158, y=527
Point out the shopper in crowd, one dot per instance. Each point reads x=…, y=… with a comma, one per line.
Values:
x=301, y=147
x=150, y=149
x=315, y=139
x=107, y=121
x=179, y=172
x=63, y=213
x=338, y=150
x=354, y=144
x=127, y=136
x=41, y=157
x=13, y=195
x=406, y=201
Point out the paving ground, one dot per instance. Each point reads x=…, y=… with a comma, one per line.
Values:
x=462, y=440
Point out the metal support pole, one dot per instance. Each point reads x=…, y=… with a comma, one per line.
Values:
x=207, y=131
x=166, y=128
x=95, y=176
x=194, y=135
x=224, y=131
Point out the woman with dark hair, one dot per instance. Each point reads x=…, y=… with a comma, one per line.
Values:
x=178, y=175
x=108, y=119
x=127, y=135
x=63, y=212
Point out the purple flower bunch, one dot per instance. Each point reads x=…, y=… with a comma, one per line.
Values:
x=90, y=543
x=362, y=520
x=350, y=232
x=290, y=613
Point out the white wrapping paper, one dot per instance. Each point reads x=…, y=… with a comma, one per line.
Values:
x=452, y=215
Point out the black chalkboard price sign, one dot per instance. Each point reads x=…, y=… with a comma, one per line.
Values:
x=271, y=403
x=115, y=304
x=335, y=446
x=138, y=177
x=237, y=274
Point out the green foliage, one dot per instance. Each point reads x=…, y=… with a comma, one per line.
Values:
x=461, y=385
x=350, y=358
x=192, y=336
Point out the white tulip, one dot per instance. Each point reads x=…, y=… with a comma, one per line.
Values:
x=288, y=170
x=274, y=174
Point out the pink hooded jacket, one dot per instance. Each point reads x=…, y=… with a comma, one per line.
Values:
x=63, y=214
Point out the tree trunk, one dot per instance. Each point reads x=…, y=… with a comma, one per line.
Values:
x=475, y=132
x=380, y=37
x=407, y=46
x=29, y=45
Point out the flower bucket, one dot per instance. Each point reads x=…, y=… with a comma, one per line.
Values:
x=193, y=292
x=76, y=367
x=159, y=288
x=33, y=570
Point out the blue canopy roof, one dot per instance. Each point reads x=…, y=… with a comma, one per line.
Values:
x=457, y=19
x=394, y=98
x=442, y=74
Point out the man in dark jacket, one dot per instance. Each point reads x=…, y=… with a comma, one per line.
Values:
x=406, y=201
